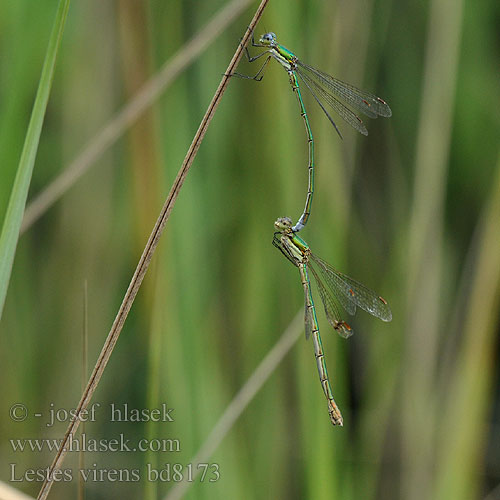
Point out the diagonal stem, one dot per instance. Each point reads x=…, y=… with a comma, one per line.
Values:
x=147, y=254
x=129, y=114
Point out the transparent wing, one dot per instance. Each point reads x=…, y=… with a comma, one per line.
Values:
x=331, y=310
x=346, y=302
x=350, y=117
x=343, y=286
x=365, y=102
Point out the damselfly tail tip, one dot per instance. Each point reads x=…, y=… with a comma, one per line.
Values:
x=335, y=415
x=340, y=422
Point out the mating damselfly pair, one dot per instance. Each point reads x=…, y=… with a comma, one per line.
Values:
x=334, y=287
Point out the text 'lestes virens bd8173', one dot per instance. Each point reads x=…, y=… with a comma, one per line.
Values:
x=339, y=289
x=324, y=88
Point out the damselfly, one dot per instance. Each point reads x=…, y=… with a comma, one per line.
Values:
x=325, y=89
x=339, y=289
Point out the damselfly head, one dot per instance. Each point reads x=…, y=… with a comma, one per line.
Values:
x=268, y=39
x=283, y=223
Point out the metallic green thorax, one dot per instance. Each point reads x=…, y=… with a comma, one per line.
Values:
x=291, y=245
x=299, y=243
x=286, y=54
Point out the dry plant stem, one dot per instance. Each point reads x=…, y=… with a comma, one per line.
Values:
x=144, y=98
x=147, y=254
x=240, y=401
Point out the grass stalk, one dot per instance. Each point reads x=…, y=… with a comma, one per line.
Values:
x=148, y=252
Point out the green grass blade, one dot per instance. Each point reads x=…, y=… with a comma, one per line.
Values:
x=17, y=201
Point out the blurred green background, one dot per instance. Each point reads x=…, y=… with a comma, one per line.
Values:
x=412, y=211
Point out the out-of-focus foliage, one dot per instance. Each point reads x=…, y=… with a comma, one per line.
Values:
x=411, y=210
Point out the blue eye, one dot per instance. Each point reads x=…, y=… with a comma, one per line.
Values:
x=269, y=37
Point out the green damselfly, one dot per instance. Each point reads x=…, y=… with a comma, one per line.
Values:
x=339, y=289
x=324, y=88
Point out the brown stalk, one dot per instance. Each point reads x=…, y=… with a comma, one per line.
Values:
x=130, y=113
x=147, y=254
